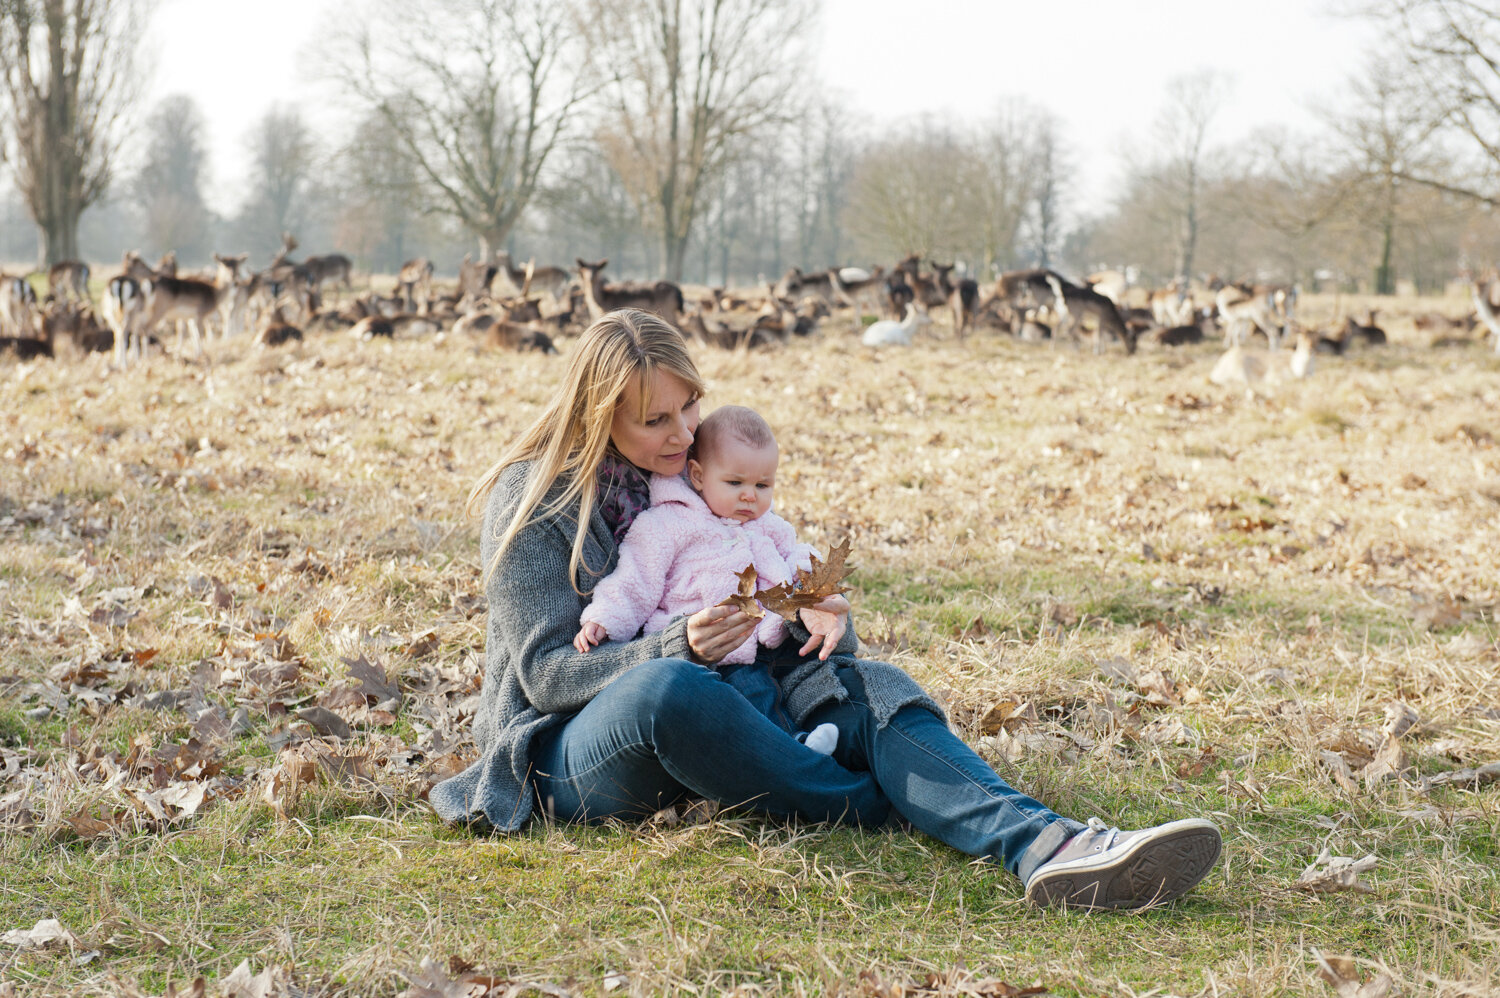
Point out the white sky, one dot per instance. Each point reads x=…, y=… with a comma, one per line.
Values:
x=1100, y=65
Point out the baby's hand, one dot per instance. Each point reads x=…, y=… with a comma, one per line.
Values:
x=589, y=635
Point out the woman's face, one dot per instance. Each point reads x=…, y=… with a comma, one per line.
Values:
x=657, y=443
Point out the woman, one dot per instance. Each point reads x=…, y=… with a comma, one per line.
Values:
x=634, y=725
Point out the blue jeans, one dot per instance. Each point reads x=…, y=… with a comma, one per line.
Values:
x=670, y=728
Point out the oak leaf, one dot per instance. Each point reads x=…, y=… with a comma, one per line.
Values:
x=745, y=597
x=809, y=588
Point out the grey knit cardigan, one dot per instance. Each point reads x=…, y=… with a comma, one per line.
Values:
x=535, y=680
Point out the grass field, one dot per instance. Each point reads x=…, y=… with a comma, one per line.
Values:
x=1141, y=596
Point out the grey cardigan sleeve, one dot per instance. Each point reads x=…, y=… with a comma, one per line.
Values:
x=534, y=611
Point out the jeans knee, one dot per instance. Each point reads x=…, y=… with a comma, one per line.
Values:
x=664, y=687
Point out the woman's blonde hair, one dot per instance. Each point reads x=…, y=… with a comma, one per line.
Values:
x=569, y=439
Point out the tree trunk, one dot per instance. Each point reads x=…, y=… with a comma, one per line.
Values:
x=674, y=252
x=1385, y=280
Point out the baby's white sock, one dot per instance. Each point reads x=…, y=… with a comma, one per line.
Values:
x=823, y=739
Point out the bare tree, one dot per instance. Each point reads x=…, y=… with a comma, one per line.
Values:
x=1052, y=173
x=1389, y=134
x=477, y=93
x=66, y=82
x=1182, y=136
x=282, y=159
x=1005, y=182
x=684, y=80
x=1452, y=50
x=168, y=187
x=908, y=195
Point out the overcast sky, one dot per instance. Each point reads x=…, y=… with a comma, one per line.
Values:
x=1100, y=65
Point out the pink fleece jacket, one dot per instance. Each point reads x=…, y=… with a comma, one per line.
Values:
x=679, y=558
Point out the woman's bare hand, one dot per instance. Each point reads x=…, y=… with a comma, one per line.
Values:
x=827, y=623
x=716, y=631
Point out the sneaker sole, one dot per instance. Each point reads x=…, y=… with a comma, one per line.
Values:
x=1157, y=870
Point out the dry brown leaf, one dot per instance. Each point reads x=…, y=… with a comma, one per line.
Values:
x=272, y=982
x=1389, y=762
x=49, y=932
x=429, y=981
x=325, y=722
x=1157, y=688
x=745, y=597
x=810, y=588
x=1329, y=873
x=1339, y=770
x=1342, y=975
x=1399, y=719
x=370, y=680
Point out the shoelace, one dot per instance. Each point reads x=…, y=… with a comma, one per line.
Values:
x=1100, y=828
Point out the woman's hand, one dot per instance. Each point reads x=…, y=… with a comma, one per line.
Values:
x=716, y=631
x=827, y=623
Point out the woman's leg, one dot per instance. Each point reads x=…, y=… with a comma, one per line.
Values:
x=671, y=727
x=941, y=785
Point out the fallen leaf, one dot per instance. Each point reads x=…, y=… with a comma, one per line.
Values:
x=1118, y=669
x=370, y=680
x=325, y=722
x=1339, y=770
x=242, y=984
x=1389, y=762
x=1399, y=718
x=186, y=797
x=49, y=932
x=1329, y=873
x=1342, y=975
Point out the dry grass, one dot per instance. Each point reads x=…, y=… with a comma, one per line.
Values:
x=1259, y=578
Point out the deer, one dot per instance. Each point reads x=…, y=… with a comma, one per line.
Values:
x=1255, y=368
x=888, y=332
x=1243, y=309
x=1371, y=334
x=236, y=302
x=123, y=309
x=1483, y=292
x=858, y=288
x=1071, y=303
x=414, y=284
x=69, y=279
x=664, y=298
x=276, y=330
x=18, y=308
x=725, y=337
x=77, y=322
x=929, y=293
x=182, y=300
x=551, y=280
x=962, y=296
x=1173, y=305
x=291, y=278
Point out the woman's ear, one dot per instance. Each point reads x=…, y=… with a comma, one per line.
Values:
x=695, y=475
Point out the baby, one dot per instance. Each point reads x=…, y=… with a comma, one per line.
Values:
x=685, y=553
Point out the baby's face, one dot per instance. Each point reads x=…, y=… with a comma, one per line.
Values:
x=737, y=480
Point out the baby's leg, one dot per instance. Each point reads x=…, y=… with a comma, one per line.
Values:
x=755, y=682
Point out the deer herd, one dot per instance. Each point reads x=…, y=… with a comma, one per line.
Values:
x=497, y=303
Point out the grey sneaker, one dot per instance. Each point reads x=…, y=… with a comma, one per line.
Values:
x=1103, y=867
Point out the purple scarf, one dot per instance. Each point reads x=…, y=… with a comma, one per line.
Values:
x=624, y=490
